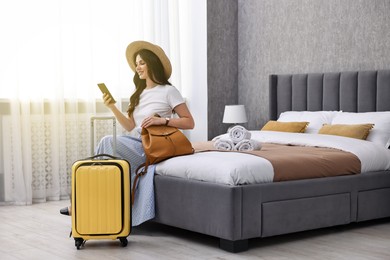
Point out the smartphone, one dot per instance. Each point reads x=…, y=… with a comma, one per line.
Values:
x=104, y=89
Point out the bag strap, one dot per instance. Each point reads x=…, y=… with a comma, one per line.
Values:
x=138, y=174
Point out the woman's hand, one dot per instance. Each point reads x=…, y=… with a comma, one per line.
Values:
x=152, y=120
x=108, y=101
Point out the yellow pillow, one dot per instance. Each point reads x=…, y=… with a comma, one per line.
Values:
x=359, y=131
x=292, y=127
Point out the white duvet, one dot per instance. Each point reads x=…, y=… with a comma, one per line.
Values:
x=235, y=168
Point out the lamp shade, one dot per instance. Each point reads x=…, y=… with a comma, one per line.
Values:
x=234, y=114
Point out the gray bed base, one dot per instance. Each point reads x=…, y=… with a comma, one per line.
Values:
x=235, y=214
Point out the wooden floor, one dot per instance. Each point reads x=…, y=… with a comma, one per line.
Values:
x=40, y=232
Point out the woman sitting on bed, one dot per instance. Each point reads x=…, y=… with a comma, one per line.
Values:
x=152, y=103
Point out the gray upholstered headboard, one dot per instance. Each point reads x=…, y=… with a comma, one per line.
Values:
x=353, y=91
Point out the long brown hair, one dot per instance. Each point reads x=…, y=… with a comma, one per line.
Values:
x=155, y=72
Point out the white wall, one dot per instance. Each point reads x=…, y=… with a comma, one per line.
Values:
x=196, y=75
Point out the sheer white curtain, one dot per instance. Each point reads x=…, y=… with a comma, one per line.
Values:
x=53, y=52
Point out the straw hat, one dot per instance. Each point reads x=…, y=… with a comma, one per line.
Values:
x=134, y=47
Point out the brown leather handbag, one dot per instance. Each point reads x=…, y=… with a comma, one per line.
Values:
x=160, y=143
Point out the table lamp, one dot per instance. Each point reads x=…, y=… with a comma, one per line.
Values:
x=234, y=114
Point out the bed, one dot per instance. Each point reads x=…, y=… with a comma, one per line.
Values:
x=237, y=213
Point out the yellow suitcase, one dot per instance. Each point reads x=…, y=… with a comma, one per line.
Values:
x=101, y=199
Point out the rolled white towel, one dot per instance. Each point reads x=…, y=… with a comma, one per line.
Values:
x=238, y=133
x=224, y=144
x=248, y=145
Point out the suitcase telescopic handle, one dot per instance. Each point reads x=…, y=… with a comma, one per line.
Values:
x=93, y=118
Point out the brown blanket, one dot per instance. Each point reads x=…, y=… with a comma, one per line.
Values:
x=300, y=162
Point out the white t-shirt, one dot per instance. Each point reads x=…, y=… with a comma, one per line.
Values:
x=159, y=100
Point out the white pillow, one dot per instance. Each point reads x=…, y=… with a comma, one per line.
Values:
x=379, y=134
x=315, y=118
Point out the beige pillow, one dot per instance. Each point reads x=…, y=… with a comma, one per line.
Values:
x=358, y=131
x=292, y=127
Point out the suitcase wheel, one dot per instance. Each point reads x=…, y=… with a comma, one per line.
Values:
x=123, y=241
x=78, y=242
